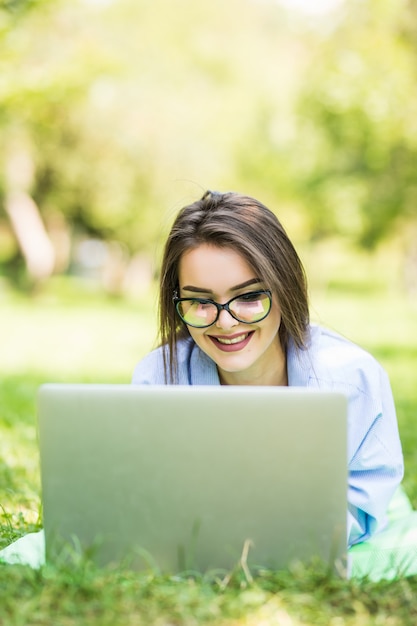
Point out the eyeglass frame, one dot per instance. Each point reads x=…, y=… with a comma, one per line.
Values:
x=222, y=307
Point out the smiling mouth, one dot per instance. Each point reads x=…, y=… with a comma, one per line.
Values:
x=229, y=341
x=232, y=344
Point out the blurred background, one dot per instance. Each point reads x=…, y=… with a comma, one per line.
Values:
x=115, y=113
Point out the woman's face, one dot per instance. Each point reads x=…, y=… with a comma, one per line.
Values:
x=246, y=354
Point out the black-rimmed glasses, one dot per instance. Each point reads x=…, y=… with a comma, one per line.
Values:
x=246, y=308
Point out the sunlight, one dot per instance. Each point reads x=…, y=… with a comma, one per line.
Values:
x=312, y=7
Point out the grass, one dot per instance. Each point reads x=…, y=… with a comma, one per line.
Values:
x=71, y=333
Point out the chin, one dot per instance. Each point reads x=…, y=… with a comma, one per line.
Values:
x=234, y=368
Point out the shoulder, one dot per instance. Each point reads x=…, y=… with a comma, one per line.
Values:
x=151, y=369
x=326, y=344
x=337, y=364
x=337, y=360
x=193, y=366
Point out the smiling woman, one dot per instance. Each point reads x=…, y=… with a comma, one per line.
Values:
x=242, y=337
x=234, y=311
x=222, y=246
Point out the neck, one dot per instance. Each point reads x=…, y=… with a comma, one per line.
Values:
x=275, y=377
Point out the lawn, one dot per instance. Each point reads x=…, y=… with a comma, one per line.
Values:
x=71, y=332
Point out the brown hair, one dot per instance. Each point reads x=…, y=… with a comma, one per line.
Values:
x=232, y=220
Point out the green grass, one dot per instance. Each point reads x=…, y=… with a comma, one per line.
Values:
x=70, y=333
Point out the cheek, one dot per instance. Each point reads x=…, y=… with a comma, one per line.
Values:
x=195, y=333
x=275, y=316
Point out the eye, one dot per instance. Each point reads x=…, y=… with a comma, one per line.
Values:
x=250, y=297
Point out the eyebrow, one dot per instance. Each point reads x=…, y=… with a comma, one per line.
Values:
x=247, y=283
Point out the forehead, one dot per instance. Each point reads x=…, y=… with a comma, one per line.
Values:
x=213, y=268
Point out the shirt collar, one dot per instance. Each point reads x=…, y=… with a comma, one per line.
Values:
x=203, y=370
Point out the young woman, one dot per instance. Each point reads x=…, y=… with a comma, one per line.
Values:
x=234, y=311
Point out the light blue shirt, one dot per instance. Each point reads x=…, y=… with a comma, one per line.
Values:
x=332, y=363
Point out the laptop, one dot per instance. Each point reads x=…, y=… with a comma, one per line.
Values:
x=176, y=478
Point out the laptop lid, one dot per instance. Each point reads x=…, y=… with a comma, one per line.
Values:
x=185, y=478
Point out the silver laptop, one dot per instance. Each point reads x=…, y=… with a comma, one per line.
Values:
x=193, y=478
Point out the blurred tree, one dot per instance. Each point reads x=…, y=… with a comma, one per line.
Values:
x=114, y=102
x=119, y=106
x=23, y=213
x=357, y=126
x=343, y=151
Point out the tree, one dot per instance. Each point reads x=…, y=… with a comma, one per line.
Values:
x=114, y=105
x=357, y=124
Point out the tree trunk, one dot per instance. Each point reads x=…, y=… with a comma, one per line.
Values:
x=33, y=240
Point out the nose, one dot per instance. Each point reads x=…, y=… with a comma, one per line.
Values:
x=225, y=320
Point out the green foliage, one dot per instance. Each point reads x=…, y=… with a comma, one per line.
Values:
x=357, y=120
x=304, y=596
x=122, y=115
x=17, y=8
x=113, y=105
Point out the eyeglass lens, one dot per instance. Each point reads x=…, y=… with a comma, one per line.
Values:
x=247, y=308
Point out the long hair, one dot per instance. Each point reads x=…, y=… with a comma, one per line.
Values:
x=232, y=220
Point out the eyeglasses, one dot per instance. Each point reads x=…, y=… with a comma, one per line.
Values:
x=247, y=308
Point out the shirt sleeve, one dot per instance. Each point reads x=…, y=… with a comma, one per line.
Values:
x=376, y=465
x=375, y=460
x=150, y=370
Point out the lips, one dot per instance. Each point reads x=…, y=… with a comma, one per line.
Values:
x=232, y=343
x=231, y=340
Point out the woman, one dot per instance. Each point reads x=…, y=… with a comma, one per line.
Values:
x=234, y=311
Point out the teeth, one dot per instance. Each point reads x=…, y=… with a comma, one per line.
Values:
x=230, y=341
